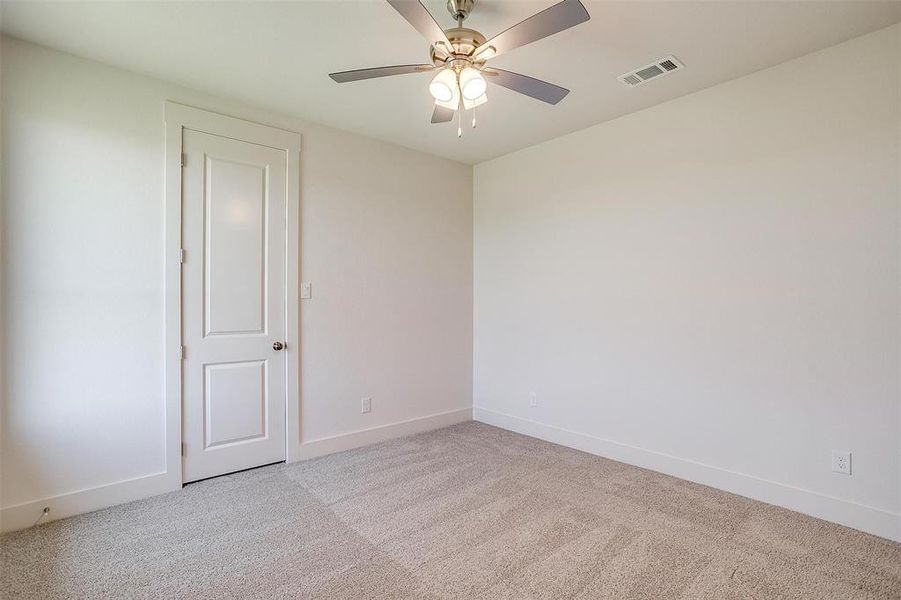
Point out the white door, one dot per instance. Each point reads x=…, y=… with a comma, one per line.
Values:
x=233, y=311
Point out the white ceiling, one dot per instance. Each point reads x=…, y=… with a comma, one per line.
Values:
x=277, y=55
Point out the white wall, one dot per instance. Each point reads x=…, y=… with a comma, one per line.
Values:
x=386, y=241
x=710, y=287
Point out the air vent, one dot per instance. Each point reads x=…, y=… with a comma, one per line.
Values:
x=648, y=72
x=668, y=65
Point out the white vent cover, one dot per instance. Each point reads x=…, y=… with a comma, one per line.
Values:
x=662, y=67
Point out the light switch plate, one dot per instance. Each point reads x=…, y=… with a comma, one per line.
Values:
x=306, y=290
x=365, y=405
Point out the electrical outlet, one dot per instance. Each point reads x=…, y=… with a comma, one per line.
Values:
x=841, y=462
x=533, y=399
x=306, y=290
x=365, y=405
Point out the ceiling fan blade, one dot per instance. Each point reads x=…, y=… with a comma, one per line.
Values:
x=421, y=19
x=555, y=19
x=358, y=74
x=442, y=115
x=535, y=88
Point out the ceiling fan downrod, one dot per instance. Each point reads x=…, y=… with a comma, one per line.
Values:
x=460, y=9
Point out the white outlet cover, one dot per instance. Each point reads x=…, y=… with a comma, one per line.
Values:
x=533, y=399
x=306, y=290
x=365, y=405
x=841, y=462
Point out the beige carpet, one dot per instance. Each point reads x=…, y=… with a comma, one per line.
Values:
x=464, y=512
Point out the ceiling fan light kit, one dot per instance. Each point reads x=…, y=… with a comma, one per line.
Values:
x=460, y=55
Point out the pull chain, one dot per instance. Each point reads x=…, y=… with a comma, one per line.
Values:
x=460, y=122
x=473, y=117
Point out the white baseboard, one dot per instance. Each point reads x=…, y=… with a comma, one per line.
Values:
x=865, y=518
x=365, y=437
x=27, y=514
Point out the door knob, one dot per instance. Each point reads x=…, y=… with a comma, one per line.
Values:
x=278, y=346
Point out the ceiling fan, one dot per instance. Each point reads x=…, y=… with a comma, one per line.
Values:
x=460, y=56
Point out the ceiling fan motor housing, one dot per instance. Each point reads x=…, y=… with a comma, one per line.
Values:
x=464, y=42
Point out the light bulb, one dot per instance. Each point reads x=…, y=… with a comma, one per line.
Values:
x=472, y=84
x=443, y=86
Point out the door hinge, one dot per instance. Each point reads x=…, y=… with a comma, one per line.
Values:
x=183, y=256
x=181, y=352
x=184, y=449
x=184, y=159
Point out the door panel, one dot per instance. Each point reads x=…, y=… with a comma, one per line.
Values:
x=234, y=398
x=235, y=234
x=234, y=211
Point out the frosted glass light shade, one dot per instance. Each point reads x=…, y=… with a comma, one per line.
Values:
x=471, y=104
x=443, y=86
x=472, y=84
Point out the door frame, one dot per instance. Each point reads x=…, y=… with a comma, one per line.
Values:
x=179, y=117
